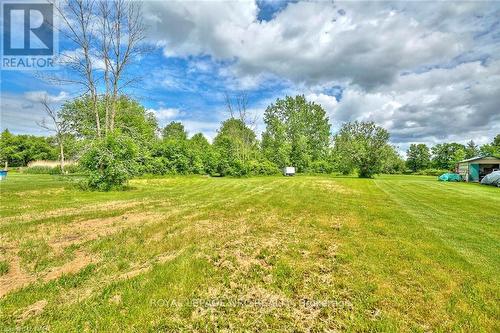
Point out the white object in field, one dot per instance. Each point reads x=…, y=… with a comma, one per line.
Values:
x=289, y=171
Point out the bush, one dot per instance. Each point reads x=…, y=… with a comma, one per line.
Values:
x=320, y=167
x=110, y=163
x=38, y=170
x=47, y=170
x=431, y=172
x=266, y=168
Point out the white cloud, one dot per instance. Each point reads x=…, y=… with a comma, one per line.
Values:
x=164, y=114
x=38, y=96
x=310, y=41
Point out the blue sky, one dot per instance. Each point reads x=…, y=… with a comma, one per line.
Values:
x=428, y=72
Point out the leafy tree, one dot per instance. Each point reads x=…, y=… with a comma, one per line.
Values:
x=204, y=153
x=493, y=148
x=236, y=145
x=174, y=131
x=446, y=155
x=418, y=157
x=110, y=162
x=393, y=163
x=19, y=150
x=297, y=133
x=471, y=149
x=363, y=145
x=132, y=119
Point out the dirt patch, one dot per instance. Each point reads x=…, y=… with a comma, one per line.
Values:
x=33, y=310
x=109, y=206
x=99, y=283
x=87, y=230
x=15, y=278
x=82, y=259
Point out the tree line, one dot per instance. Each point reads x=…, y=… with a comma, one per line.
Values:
x=297, y=133
x=446, y=155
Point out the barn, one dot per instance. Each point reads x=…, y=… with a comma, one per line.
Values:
x=474, y=169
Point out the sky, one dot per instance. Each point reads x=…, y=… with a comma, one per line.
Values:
x=428, y=72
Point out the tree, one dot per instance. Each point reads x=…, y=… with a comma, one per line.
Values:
x=393, y=163
x=446, y=155
x=471, y=149
x=110, y=162
x=59, y=127
x=236, y=145
x=363, y=145
x=297, y=133
x=132, y=119
x=19, y=150
x=111, y=31
x=174, y=131
x=493, y=148
x=418, y=157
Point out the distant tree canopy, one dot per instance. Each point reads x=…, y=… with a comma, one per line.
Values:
x=19, y=150
x=362, y=146
x=297, y=133
x=446, y=155
x=174, y=131
x=418, y=157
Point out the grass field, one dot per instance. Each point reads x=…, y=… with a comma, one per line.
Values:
x=308, y=253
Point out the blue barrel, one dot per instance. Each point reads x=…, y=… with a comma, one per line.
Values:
x=3, y=174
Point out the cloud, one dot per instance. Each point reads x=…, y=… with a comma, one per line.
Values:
x=457, y=104
x=20, y=115
x=365, y=44
x=38, y=96
x=164, y=114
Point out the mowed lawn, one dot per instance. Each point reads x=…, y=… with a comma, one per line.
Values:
x=305, y=253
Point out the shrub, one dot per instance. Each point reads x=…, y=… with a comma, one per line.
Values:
x=47, y=170
x=42, y=170
x=110, y=162
x=431, y=172
x=321, y=167
x=263, y=168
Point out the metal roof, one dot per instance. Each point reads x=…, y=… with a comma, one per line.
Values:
x=478, y=158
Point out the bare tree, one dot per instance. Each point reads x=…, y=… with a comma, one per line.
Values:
x=78, y=16
x=238, y=109
x=58, y=126
x=127, y=31
x=108, y=35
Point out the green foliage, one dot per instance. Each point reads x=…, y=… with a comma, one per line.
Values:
x=132, y=119
x=362, y=145
x=297, y=133
x=321, y=166
x=431, y=172
x=471, y=149
x=19, y=150
x=174, y=131
x=446, y=155
x=69, y=169
x=493, y=148
x=110, y=162
x=235, y=146
x=266, y=168
x=393, y=163
x=418, y=157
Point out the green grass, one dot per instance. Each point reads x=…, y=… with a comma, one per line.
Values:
x=305, y=253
